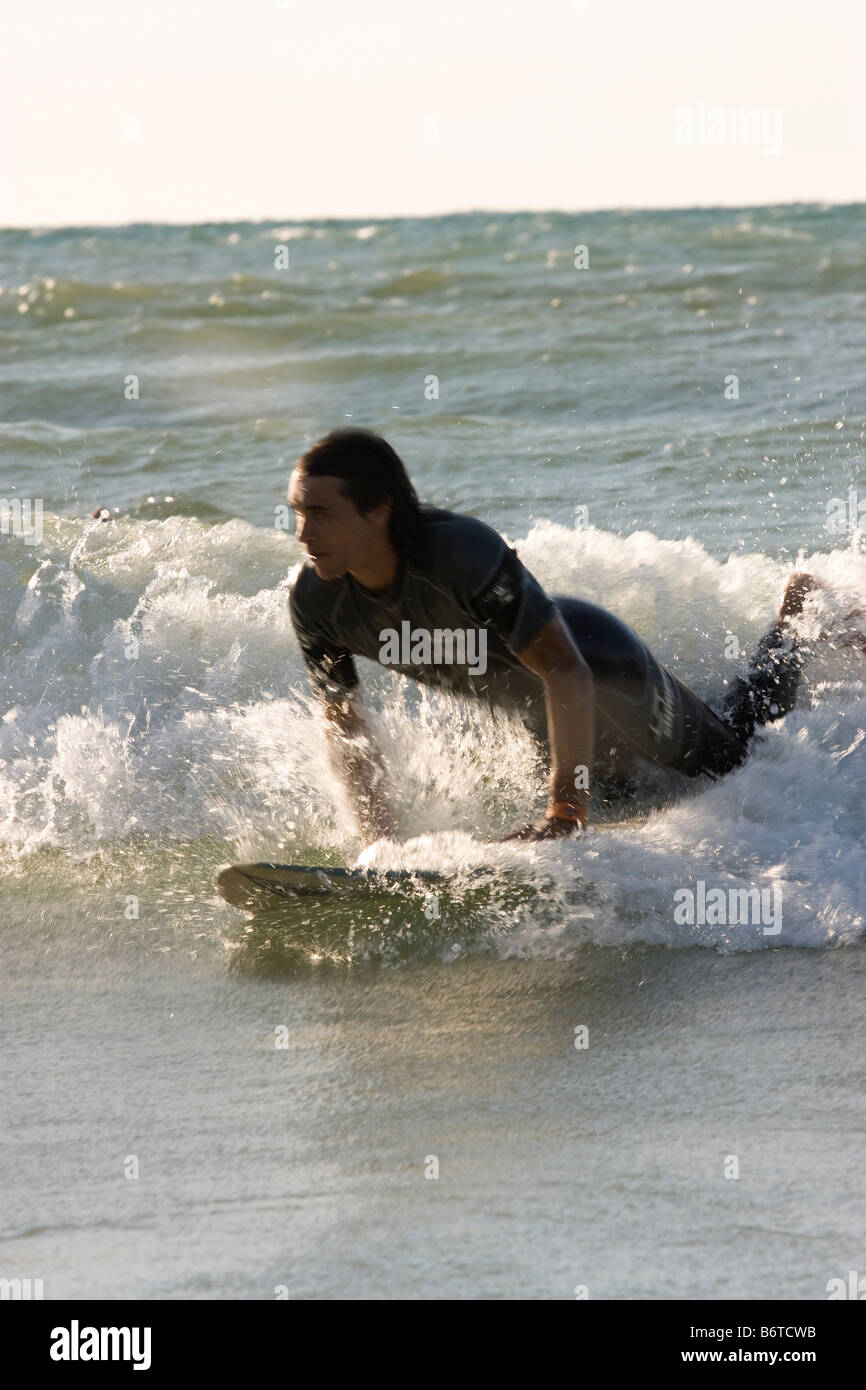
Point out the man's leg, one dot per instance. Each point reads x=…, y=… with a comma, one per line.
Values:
x=641, y=709
x=768, y=689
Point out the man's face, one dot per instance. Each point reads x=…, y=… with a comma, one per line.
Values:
x=330, y=527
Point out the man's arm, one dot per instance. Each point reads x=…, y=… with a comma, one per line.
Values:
x=349, y=733
x=358, y=760
x=555, y=658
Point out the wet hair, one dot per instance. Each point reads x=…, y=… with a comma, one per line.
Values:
x=370, y=472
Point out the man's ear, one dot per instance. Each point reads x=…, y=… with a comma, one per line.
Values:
x=380, y=515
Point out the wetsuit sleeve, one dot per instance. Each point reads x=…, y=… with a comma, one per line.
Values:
x=501, y=593
x=330, y=666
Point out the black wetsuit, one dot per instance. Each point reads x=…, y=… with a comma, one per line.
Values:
x=470, y=579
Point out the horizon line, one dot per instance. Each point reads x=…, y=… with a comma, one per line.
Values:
x=622, y=208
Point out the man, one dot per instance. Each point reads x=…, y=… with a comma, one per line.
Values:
x=403, y=584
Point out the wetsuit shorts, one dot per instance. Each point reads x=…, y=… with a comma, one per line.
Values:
x=641, y=708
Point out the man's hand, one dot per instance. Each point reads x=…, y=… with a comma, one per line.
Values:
x=352, y=740
x=550, y=828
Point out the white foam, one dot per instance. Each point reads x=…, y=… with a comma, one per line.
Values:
x=212, y=731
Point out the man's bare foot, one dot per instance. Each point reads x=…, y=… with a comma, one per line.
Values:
x=849, y=632
x=798, y=586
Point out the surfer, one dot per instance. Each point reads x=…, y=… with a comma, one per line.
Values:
x=386, y=576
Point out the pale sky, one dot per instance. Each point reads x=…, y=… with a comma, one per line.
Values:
x=115, y=111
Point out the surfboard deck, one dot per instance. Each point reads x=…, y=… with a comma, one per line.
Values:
x=263, y=884
x=254, y=886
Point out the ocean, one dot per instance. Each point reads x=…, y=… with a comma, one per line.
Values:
x=563, y=1085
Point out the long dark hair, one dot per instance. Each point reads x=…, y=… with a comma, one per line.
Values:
x=371, y=472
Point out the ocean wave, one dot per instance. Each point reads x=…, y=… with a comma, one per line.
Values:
x=152, y=691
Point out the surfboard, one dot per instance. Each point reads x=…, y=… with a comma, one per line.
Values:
x=263, y=884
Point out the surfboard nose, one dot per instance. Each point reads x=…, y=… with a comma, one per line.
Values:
x=231, y=886
x=263, y=884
